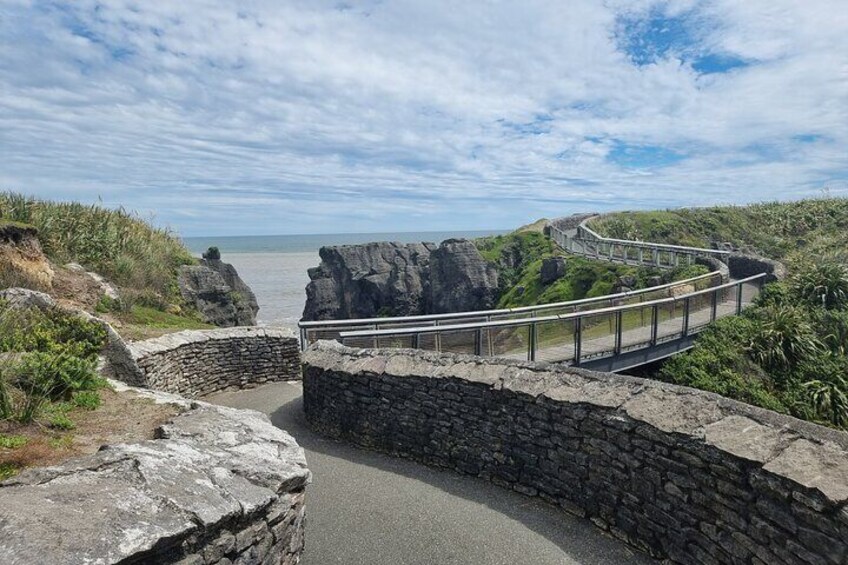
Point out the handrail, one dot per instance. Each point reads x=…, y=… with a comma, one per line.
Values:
x=535, y=320
x=477, y=313
x=670, y=247
x=579, y=338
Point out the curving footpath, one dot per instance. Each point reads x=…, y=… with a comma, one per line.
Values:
x=369, y=508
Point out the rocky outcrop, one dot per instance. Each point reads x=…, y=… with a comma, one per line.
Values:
x=553, y=269
x=22, y=262
x=364, y=281
x=396, y=279
x=215, y=289
x=219, y=485
x=460, y=279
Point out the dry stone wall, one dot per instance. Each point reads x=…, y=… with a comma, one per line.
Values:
x=219, y=486
x=196, y=363
x=680, y=473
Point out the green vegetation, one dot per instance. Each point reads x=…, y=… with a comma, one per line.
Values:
x=519, y=256
x=137, y=257
x=12, y=441
x=788, y=352
x=48, y=357
x=788, y=231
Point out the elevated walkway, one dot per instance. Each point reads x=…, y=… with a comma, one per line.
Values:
x=609, y=333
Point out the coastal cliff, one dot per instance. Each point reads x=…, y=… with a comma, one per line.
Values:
x=396, y=279
x=217, y=291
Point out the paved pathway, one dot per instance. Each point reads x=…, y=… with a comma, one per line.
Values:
x=368, y=508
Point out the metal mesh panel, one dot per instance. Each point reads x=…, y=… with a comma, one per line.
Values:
x=700, y=311
x=396, y=341
x=458, y=341
x=670, y=320
x=598, y=335
x=360, y=342
x=726, y=302
x=508, y=341
x=636, y=328
x=555, y=341
x=750, y=291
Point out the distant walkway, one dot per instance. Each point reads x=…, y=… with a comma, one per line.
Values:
x=369, y=508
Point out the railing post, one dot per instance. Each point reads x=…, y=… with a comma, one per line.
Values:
x=618, y=318
x=416, y=341
x=686, y=304
x=655, y=320
x=714, y=306
x=641, y=256
x=437, y=338
x=578, y=338
x=478, y=342
x=738, y=299
x=531, y=342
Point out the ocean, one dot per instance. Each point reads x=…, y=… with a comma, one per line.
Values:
x=275, y=266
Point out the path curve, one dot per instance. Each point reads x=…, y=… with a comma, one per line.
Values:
x=368, y=508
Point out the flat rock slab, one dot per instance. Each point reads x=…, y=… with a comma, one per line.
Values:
x=212, y=466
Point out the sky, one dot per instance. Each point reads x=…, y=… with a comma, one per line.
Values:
x=286, y=116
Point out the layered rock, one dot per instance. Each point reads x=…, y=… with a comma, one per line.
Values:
x=215, y=289
x=218, y=485
x=396, y=279
x=22, y=262
x=364, y=281
x=460, y=279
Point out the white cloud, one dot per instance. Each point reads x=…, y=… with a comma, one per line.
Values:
x=285, y=117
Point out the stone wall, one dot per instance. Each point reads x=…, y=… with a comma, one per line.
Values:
x=220, y=486
x=680, y=473
x=196, y=363
x=743, y=266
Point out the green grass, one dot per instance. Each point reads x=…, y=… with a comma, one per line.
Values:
x=8, y=470
x=789, y=231
x=129, y=251
x=12, y=441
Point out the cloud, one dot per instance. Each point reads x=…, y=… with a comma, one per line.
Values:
x=296, y=116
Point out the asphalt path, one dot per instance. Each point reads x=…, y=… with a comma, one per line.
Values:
x=368, y=508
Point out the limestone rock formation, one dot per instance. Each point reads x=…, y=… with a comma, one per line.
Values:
x=396, y=279
x=363, y=281
x=22, y=263
x=553, y=269
x=460, y=279
x=219, y=294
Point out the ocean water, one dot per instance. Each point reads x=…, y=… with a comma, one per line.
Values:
x=275, y=266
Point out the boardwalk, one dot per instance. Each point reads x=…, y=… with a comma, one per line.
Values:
x=368, y=508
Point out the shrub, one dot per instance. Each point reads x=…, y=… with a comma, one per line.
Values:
x=12, y=442
x=825, y=285
x=87, y=399
x=783, y=338
x=115, y=243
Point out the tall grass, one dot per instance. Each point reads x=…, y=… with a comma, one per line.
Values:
x=115, y=243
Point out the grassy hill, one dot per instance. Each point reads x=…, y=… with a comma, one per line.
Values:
x=140, y=259
x=788, y=231
x=519, y=256
x=789, y=352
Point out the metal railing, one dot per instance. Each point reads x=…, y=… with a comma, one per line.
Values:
x=575, y=337
x=588, y=243
x=312, y=331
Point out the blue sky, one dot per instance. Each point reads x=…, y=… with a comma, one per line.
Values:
x=268, y=116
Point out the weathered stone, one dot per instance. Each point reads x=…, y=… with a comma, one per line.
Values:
x=553, y=269
x=153, y=500
x=194, y=363
x=460, y=279
x=215, y=289
x=683, y=474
